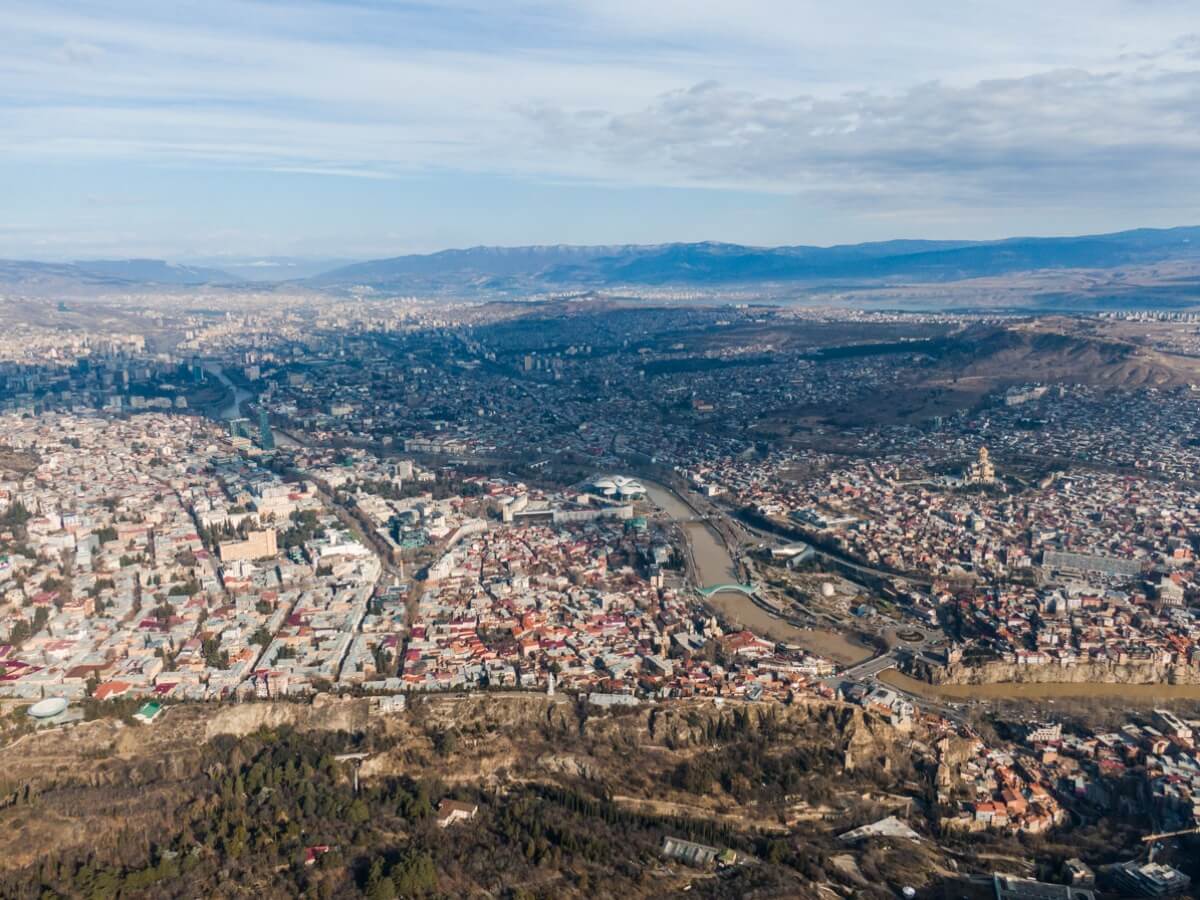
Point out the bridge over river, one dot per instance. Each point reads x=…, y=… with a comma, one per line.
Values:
x=716, y=579
x=712, y=564
x=748, y=589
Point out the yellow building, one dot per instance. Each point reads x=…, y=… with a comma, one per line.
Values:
x=257, y=545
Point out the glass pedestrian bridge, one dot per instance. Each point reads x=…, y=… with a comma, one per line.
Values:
x=747, y=589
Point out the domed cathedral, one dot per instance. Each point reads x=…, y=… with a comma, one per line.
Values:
x=982, y=471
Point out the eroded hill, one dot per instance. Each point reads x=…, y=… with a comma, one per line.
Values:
x=571, y=803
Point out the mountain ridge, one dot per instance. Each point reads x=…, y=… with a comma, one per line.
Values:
x=1166, y=263
x=114, y=272
x=720, y=263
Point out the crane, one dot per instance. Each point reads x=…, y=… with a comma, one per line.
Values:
x=1170, y=834
x=1151, y=840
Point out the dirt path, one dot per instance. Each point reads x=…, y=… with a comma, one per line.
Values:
x=691, y=811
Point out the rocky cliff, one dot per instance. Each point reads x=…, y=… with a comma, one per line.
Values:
x=326, y=713
x=1103, y=673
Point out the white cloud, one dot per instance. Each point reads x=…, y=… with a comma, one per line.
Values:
x=876, y=107
x=1054, y=131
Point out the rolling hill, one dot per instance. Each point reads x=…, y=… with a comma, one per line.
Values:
x=31, y=275
x=711, y=264
x=1141, y=269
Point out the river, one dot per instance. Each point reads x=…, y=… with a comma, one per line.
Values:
x=714, y=566
x=233, y=409
x=240, y=395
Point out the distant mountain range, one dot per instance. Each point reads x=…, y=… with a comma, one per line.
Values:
x=701, y=266
x=711, y=264
x=109, y=272
x=271, y=268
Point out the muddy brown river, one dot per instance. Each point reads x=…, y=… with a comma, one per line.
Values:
x=715, y=566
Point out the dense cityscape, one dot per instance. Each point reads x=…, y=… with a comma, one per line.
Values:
x=634, y=507
x=556, y=451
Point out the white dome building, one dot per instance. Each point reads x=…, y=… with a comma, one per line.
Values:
x=48, y=708
x=618, y=486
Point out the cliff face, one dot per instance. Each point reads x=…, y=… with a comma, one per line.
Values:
x=326, y=713
x=89, y=785
x=1104, y=673
x=846, y=727
x=679, y=725
x=496, y=710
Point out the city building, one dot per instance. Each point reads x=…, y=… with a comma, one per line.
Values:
x=257, y=545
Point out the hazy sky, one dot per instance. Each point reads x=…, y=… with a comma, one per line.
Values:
x=185, y=129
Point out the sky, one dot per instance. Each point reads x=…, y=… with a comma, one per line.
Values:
x=218, y=129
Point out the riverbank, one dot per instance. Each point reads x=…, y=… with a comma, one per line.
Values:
x=713, y=566
x=739, y=609
x=711, y=560
x=1133, y=693
x=232, y=409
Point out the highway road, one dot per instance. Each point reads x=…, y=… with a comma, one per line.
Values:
x=777, y=538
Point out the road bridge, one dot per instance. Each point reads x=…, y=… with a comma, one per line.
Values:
x=870, y=668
